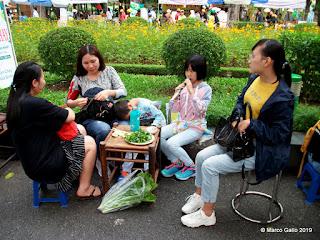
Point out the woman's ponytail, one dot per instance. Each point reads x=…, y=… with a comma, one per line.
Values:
x=286, y=71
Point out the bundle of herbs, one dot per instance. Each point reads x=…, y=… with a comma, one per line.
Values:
x=139, y=136
x=129, y=192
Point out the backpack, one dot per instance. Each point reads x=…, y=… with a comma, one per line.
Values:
x=98, y=110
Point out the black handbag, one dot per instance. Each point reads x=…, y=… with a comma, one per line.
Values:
x=225, y=134
x=243, y=145
x=98, y=110
x=239, y=144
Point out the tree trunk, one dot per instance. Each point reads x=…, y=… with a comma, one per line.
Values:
x=317, y=11
x=307, y=10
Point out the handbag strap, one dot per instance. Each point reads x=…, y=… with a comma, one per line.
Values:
x=243, y=173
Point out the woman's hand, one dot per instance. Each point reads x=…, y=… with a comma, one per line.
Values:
x=103, y=95
x=234, y=123
x=81, y=102
x=243, y=125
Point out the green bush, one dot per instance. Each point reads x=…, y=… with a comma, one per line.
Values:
x=162, y=70
x=59, y=49
x=305, y=27
x=303, y=52
x=183, y=43
x=305, y=116
x=255, y=25
x=135, y=20
x=190, y=22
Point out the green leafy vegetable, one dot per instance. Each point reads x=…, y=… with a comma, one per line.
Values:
x=129, y=192
x=139, y=136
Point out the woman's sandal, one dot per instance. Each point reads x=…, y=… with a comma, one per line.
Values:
x=91, y=195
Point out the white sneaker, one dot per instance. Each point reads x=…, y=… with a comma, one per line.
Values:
x=193, y=204
x=198, y=219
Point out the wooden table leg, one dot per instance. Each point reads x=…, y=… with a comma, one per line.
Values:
x=104, y=167
x=152, y=162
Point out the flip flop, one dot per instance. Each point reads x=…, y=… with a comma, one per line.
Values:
x=91, y=195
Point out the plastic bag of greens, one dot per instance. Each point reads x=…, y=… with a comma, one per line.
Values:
x=129, y=192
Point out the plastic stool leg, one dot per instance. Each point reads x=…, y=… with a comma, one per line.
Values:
x=63, y=199
x=36, y=194
x=312, y=193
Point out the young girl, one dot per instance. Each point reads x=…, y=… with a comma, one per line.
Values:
x=192, y=103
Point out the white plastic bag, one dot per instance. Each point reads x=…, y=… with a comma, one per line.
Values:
x=124, y=194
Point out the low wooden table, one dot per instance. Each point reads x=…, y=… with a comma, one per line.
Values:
x=114, y=149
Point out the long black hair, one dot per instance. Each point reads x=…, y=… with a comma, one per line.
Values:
x=22, y=81
x=273, y=49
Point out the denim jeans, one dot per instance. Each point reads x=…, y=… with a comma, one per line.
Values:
x=99, y=130
x=314, y=164
x=212, y=161
x=171, y=143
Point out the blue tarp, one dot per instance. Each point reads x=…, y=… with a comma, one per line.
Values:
x=215, y=1
x=258, y=1
x=42, y=3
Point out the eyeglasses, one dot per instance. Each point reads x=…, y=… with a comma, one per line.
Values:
x=252, y=56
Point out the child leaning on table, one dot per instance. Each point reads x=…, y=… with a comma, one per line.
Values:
x=147, y=110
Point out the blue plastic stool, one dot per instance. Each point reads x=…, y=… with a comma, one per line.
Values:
x=315, y=182
x=37, y=200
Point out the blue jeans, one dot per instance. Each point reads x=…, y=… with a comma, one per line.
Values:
x=171, y=143
x=99, y=130
x=314, y=164
x=212, y=161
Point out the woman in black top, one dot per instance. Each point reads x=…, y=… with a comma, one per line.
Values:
x=33, y=123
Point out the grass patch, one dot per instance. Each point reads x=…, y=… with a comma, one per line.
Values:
x=225, y=91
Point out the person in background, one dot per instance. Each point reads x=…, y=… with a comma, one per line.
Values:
x=153, y=14
x=23, y=16
x=182, y=16
x=273, y=18
x=259, y=17
x=272, y=104
x=198, y=15
x=203, y=16
x=176, y=18
x=109, y=14
x=138, y=14
x=34, y=124
x=128, y=13
x=288, y=18
x=168, y=16
x=35, y=13
x=192, y=14
x=122, y=16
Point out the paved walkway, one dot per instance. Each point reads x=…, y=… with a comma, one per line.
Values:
x=82, y=220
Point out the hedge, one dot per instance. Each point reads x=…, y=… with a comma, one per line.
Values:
x=303, y=52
